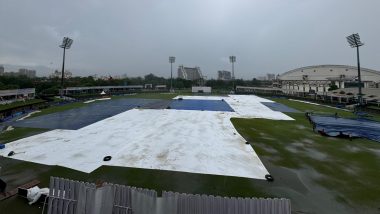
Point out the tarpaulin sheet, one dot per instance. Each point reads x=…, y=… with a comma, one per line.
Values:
x=201, y=105
x=77, y=118
x=335, y=126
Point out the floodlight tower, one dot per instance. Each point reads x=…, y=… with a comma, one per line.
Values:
x=354, y=41
x=232, y=61
x=171, y=61
x=66, y=44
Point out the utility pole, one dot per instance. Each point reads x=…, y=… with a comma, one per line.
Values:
x=232, y=61
x=171, y=61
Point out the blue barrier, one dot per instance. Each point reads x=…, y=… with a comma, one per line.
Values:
x=336, y=126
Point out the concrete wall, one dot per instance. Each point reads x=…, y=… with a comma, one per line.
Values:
x=196, y=89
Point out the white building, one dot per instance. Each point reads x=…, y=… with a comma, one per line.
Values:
x=318, y=79
x=271, y=77
x=224, y=75
x=9, y=96
x=200, y=89
x=1, y=70
x=26, y=72
x=188, y=73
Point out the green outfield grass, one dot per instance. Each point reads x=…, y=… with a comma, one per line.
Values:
x=60, y=108
x=344, y=171
x=20, y=104
x=18, y=133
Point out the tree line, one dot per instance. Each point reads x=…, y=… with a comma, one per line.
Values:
x=50, y=86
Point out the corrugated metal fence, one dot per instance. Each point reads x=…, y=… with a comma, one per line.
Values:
x=203, y=204
x=74, y=197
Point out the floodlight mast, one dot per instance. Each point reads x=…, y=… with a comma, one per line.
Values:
x=171, y=61
x=354, y=41
x=232, y=61
x=66, y=44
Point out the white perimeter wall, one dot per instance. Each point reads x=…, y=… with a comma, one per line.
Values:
x=204, y=89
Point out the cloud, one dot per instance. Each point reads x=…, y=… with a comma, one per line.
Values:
x=136, y=37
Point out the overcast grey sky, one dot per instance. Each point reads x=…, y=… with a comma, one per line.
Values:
x=136, y=37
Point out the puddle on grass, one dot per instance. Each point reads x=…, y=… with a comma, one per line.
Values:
x=268, y=138
x=292, y=149
x=308, y=141
x=268, y=149
x=376, y=151
x=298, y=144
x=262, y=134
x=315, y=154
x=305, y=150
x=307, y=196
x=353, y=149
x=352, y=170
x=302, y=127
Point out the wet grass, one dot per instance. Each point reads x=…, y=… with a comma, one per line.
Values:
x=18, y=133
x=305, y=107
x=20, y=104
x=54, y=109
x=347, y=169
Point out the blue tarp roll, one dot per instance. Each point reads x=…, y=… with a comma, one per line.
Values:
x=335, y=126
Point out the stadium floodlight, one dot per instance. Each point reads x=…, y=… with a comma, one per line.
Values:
x=354, y=41
x=232, y=61
x=66, y=44
x=171, y=61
